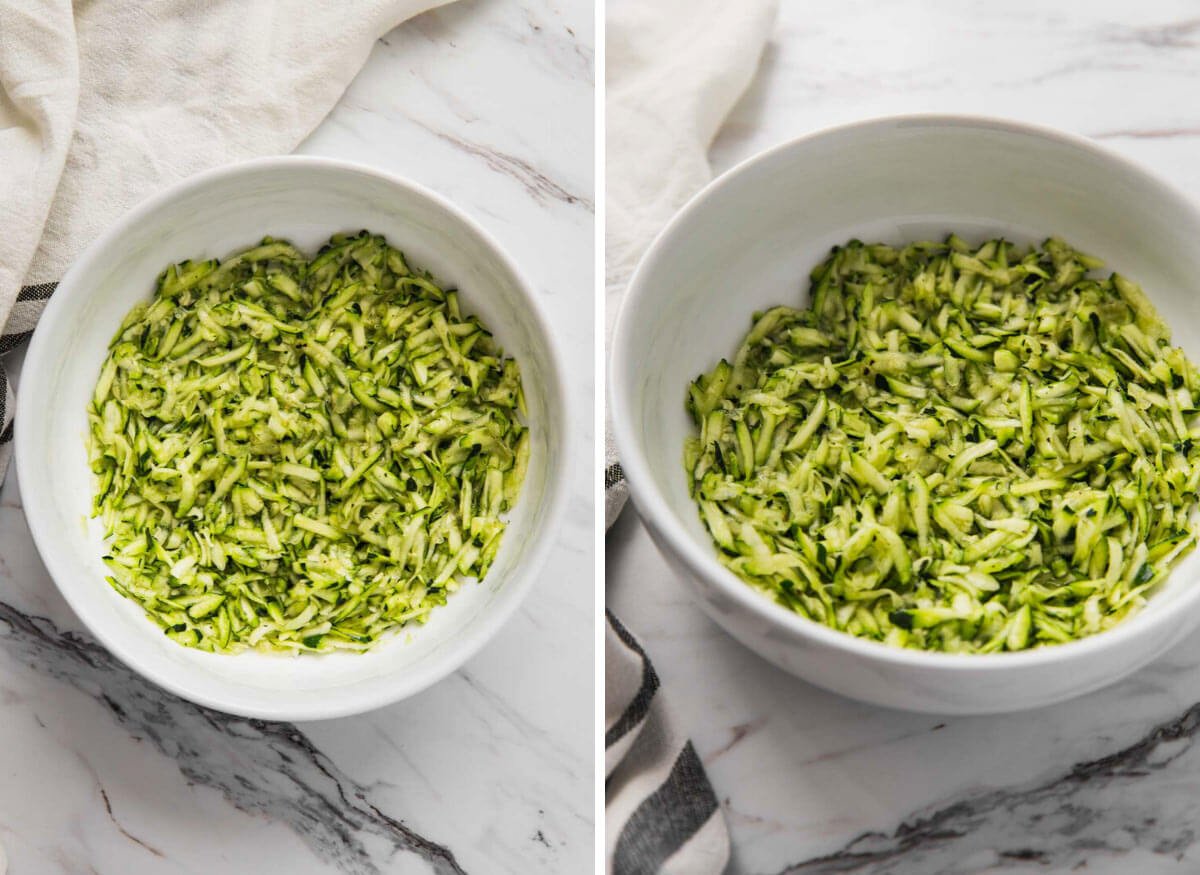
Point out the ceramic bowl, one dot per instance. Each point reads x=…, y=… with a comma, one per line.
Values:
x=214, y=214
x=749, y=240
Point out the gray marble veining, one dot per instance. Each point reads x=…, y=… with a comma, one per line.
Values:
x=1110, y=806
x=261, y=768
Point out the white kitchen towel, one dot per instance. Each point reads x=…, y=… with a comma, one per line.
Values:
x=674, y=70
x=104, y=102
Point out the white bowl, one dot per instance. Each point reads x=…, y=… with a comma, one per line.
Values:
x=749, y=240
x=214, y=214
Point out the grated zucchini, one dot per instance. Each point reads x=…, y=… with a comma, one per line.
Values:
x=301, y=455
x=953, y=448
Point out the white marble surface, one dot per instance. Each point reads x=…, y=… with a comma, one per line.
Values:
x=813, y=783
x=490, y=103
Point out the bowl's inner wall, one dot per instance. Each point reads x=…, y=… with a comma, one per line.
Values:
x=304, y=204
x=753, y=239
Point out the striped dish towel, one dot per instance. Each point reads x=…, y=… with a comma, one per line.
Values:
x=92, y=120
x=23, y=316
x=661, y=814
x=674, y=70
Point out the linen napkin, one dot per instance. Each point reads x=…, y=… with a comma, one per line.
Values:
x=675, y=68
x=660, y=811
x=104, y=102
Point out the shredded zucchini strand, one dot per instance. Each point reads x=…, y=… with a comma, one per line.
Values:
x=953, y=448
x=301, y=455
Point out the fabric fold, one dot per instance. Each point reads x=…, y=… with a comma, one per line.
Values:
x=39, y=96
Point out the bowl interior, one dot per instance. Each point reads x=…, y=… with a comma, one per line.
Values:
x=750, y=240
x=304, y=201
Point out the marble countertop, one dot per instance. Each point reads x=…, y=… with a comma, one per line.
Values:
x=490, y=103
x=814, y=783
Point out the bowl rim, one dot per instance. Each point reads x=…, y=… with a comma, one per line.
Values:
x=320, y=704
x=702, y=562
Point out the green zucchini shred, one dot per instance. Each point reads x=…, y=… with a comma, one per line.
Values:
x=302, y=455
x=951, y=448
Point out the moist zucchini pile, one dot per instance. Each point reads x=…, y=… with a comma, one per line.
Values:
x=300, y=455
x=953, y=448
